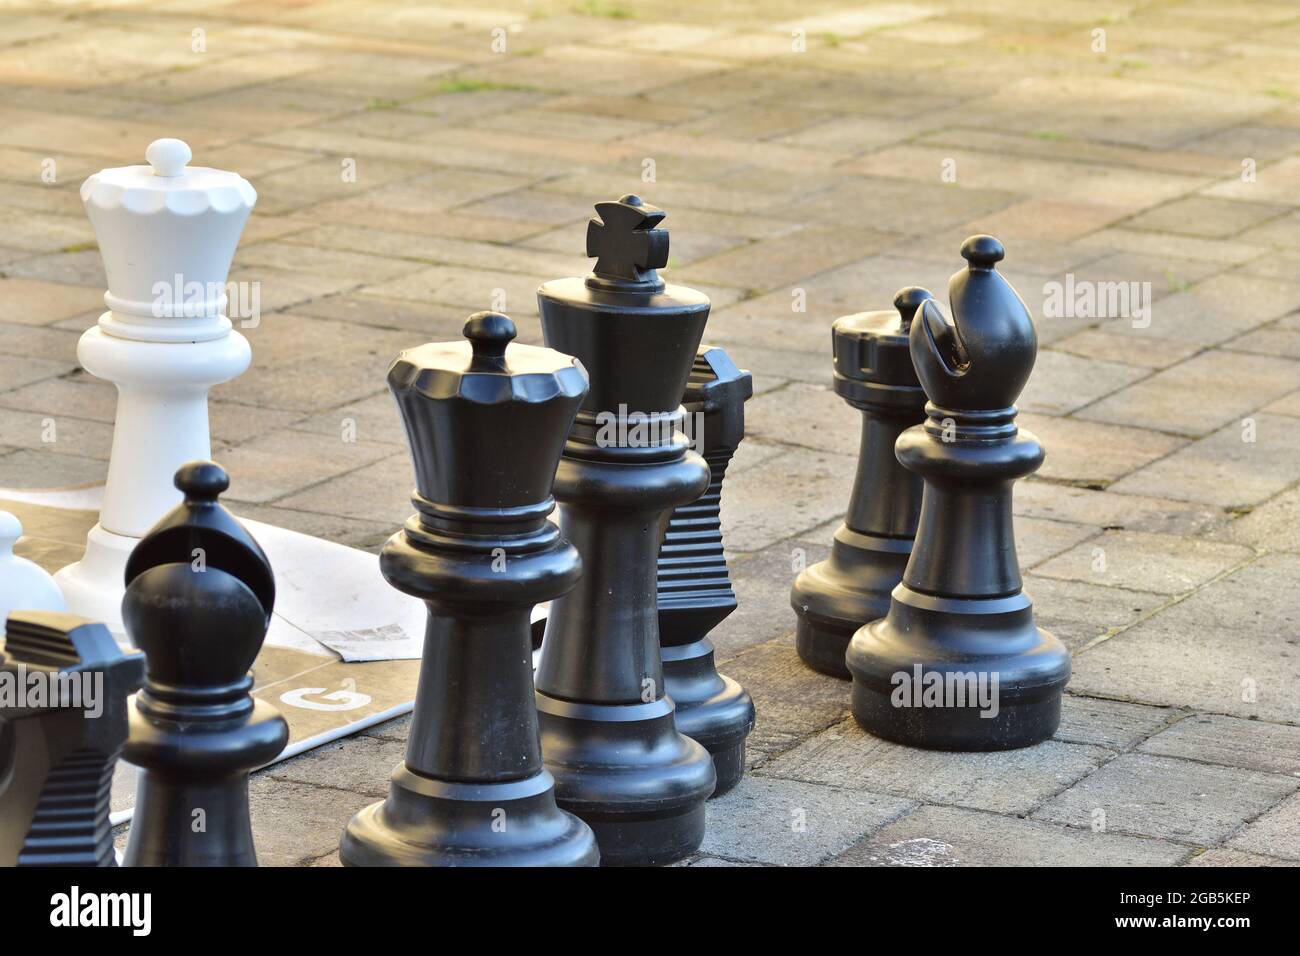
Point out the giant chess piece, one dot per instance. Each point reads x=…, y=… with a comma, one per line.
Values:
x=958, y=663
x=198, y=602
x=874, y=374
x=24, y=585
x=61, y=731
x=485, y=421
x=167, y=233
x=608, y=730
x=694, y=588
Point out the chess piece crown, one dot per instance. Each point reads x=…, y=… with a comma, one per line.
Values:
x=167, y=234
x=623, y=318
x=471, y=457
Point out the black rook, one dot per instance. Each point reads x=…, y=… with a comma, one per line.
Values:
x=608, y=729
x=958, y=663
x=694, y=587
x=485, y=421
x=198, y=602
x=874, y=374
x=61, y=730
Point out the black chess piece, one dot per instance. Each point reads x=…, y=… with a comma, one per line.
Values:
x=958, y=663
x=608, y=728
x=485, y=421
x=694, y=588
x=198, y=602
x=61, y=732
x=874, y=374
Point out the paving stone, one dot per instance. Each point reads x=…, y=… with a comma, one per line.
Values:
x=361, y=765
x=1094, y=453
x=810, y=416
x=792, y=700
x=1202, y=394
x=1274, y=525
x=1112, y=724
x=792, y=492
x=1104, y=342
x=1206, y=216
x=1242, y=464
x=762, y=580
x=1166, y=798
x=1038, y=539
x=1062, y=383
x=1276, y=833
x=1228, y=648
x=1041, y=499
x=1232, y=742
x=40, y=468
x=1079, y=612
x=1144, y=562
x=37, y=302
x=948, y=836
x=379, y=493
x=791, y=823
x=293, y=822
x=284, y=461
x=846, y=756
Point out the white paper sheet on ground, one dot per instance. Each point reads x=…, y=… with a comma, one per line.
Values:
x=330, y=594
x=325, y=593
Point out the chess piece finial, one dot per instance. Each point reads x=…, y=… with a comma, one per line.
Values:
x=199, y=598
x=959, y=621
x=627, y=245
x=485, y=422
x=24, y=585
x=609, y=734
x=694, y=584
x=168, y=157
x=489, y=334
x=907, y=300
x=875, y=376
x=58, y=751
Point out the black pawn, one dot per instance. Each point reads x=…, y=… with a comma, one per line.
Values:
x=958, y=663
x=58, y=751
x=874, y=374
x=694, y=587
x=485, y=424
x=608, y=729
x=198, y=602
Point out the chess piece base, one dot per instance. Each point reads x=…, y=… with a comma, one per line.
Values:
x=93, y=586
x=851, y=588
x=712, y=709
x=427, y=822
x=953, y=638
x=630, y=775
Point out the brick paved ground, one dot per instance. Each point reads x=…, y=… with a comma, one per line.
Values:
x=1160, y=541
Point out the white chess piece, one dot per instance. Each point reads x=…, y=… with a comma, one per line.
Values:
x=24, y=586
x=167, y=233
